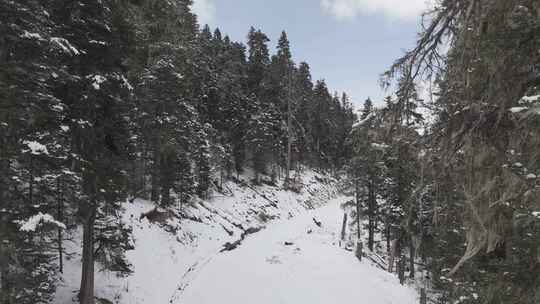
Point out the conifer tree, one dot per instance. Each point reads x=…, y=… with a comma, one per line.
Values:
x=368, y=169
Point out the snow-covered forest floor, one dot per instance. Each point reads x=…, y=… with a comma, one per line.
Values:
x=255, y=244
x=295, y=261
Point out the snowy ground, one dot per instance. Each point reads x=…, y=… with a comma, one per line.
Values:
x=311, y=268
x=183, y=262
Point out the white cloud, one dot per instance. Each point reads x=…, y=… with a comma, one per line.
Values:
x=205, y=10
x=395, y=9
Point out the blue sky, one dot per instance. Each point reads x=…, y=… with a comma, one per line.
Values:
x=347, y=42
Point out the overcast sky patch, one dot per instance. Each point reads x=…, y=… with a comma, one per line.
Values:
x=205, y=10
x=405, y=10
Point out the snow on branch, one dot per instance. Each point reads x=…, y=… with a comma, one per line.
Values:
x=363, y=121
x=29, y=35
x=378, y=146
x=528, y=105
x=65, y=45
x=529, y=99
x=33, y=222
x=97, y=80
x=35, y=148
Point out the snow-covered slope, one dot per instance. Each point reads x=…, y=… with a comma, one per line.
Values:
x=294, y=261
x=214, y=251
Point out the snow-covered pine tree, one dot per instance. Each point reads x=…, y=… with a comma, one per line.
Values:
x=368, y=168
x=96, y=96
x=33, y=151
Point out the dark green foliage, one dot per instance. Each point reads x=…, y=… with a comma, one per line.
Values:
x=479, y=196
x=203, y=168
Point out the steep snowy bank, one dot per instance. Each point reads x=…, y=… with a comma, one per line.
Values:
x=172, y=250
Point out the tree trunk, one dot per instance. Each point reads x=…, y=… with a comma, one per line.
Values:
x=87, y=211
x=142, y=174
x=3, y=257
x=289, y=135
x=154, y=193
x=221, y=173
x=358, y=223
x=3, y=217
x=60, y=217
x=387, y=232
x=344, y=228
x=372, y=203
x=412, y=253
x=423, y=296
x=257, y=178
x=401, y=258
x=86, y=294
x=165, y=196
x=401, y=270
x=1, y=284
x=392, y=256
x=31, y=182
x=318, y=150
x=359, y=248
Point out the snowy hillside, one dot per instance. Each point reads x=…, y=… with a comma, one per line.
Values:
x=255, y=244
x=295, y=261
